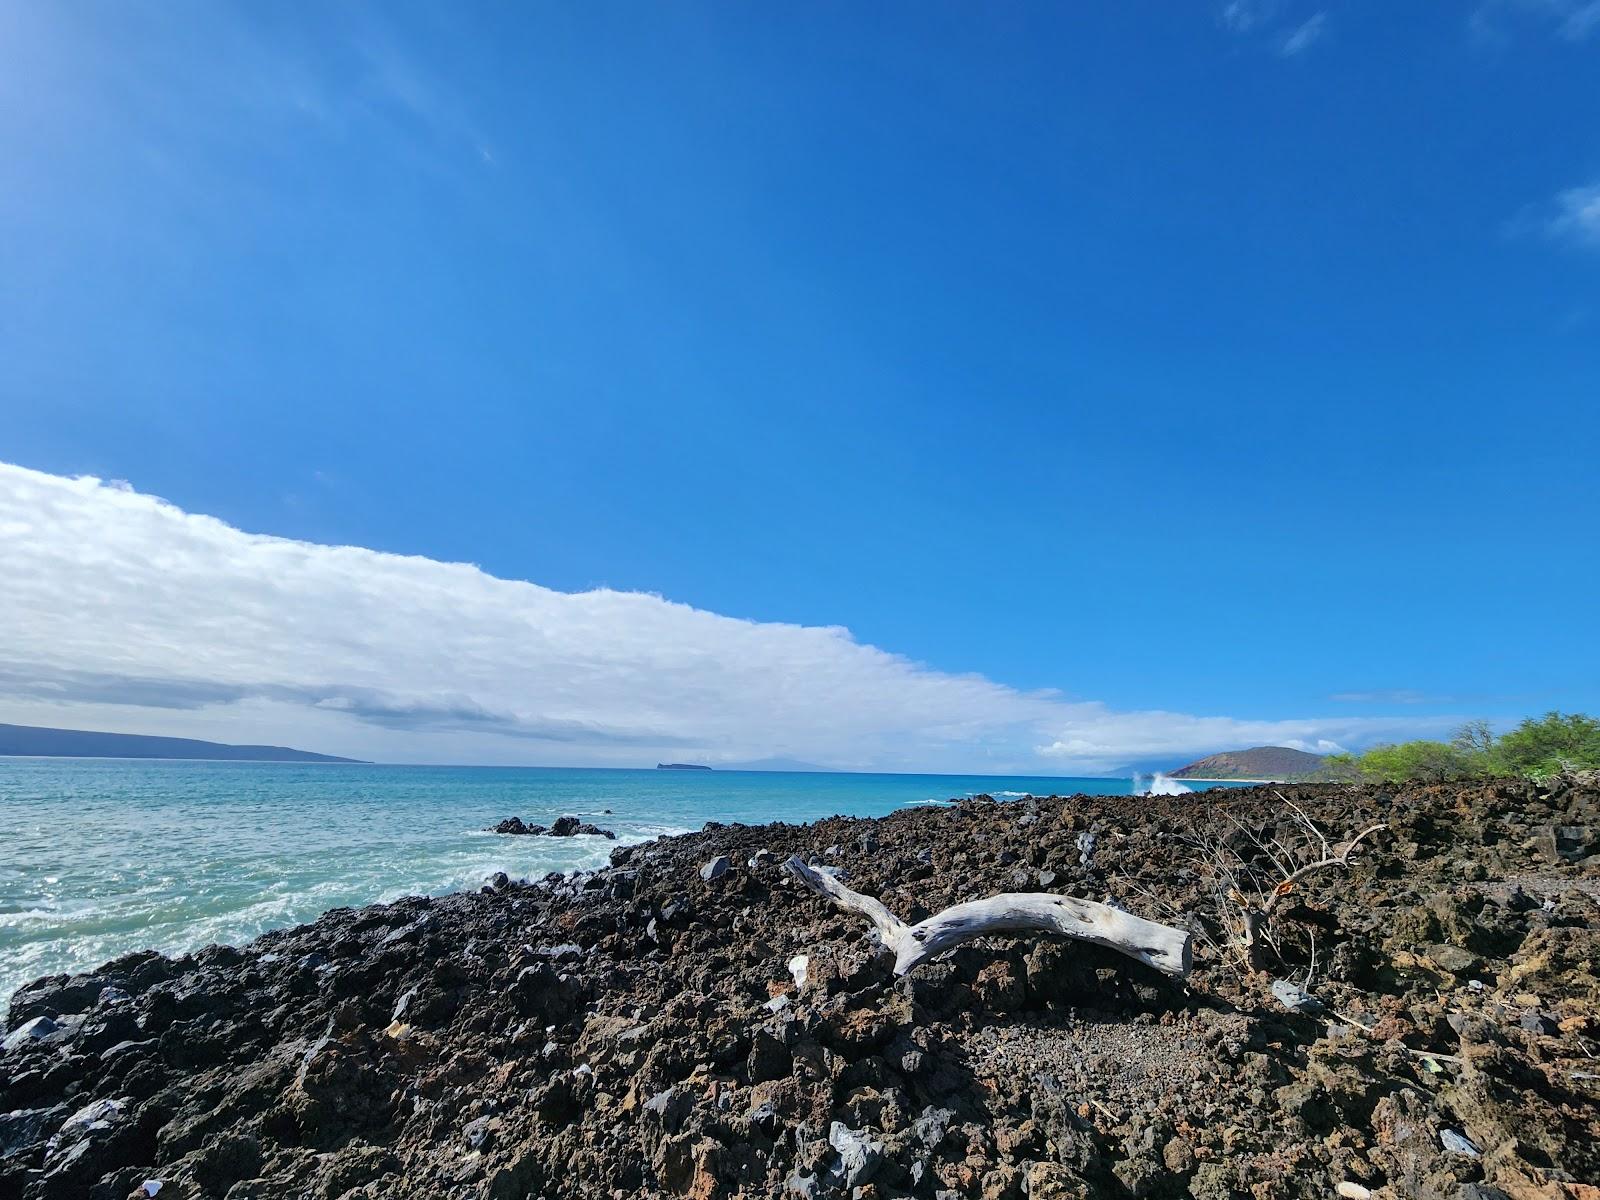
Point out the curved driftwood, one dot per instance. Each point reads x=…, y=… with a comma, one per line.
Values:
x=1159, y=946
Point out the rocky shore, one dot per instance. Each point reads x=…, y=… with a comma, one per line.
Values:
x=639, y=1031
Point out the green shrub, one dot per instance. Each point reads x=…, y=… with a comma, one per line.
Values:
x=1555, y=742
x=1538, y=747
x=1425, y=762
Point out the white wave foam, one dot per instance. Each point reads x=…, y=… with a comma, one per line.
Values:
x=1160, y=785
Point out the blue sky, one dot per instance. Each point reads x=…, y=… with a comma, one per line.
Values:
x=1238, y=361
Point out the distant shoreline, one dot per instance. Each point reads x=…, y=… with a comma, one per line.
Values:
x=41, y=741
x=328, y=761
x=1206, y=779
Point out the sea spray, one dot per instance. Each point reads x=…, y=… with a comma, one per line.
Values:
x=1159, y=784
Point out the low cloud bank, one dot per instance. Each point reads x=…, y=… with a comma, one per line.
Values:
x=125, y=612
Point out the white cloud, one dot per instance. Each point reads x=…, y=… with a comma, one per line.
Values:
x=1576, y=217
x=124, y=612
x=1259, y=20
x=1241, y=16
x=1581, y=21
x=1304, y=36
x=1096, y=735
x=1574, y=20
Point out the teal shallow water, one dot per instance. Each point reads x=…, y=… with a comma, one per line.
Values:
x=99, y=857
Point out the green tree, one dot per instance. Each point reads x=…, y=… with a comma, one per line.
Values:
x=1421, y=761
x=1342, y=767
x=1476, y=740
x=1551, y=743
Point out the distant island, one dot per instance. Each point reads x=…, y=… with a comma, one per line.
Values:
x=682, y=767
x=38, y=741
x=1269, y=764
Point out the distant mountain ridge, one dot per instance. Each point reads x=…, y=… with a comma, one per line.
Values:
x=37, y=740
x=1259, y=762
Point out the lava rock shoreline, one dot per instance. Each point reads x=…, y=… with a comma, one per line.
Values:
x=638, y=1030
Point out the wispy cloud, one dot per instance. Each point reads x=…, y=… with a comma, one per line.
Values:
x=1304, y=36
x=1570, y=218
x=124, y=612
x=1267, y=23
x=1576, y=217
x=1581, y=21
x=1242, y=16
x=1574, y=20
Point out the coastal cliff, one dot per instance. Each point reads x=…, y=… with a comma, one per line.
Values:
x=638, y=1031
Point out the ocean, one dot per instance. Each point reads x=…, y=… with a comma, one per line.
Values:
x=99, y=857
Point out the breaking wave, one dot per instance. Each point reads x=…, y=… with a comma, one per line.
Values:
x=1159, y=785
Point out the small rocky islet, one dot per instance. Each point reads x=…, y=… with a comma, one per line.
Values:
x=689, y=1021
x=560, y=827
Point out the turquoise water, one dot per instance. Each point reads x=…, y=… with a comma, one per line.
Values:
x=102, y=856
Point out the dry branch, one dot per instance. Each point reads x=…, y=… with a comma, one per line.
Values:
x=1256, y=916
x=1159, y=946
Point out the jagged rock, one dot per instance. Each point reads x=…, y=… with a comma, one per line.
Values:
x=37, y=1029
x=1541, y=1023
x=1565, y=843
x=932, y=1126
x=26, y=1128
x=1295, y=998
x=1454, y=959
x=859, y=1158
x=716, y=868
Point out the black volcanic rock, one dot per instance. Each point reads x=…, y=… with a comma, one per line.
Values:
x=563, y=827
x=514, y=826
x=637, y=1031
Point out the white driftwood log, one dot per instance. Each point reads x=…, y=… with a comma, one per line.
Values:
x=1159, y=946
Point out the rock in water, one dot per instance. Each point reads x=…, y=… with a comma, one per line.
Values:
x=514, y=826
x=563, y=827
x=571, y=827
